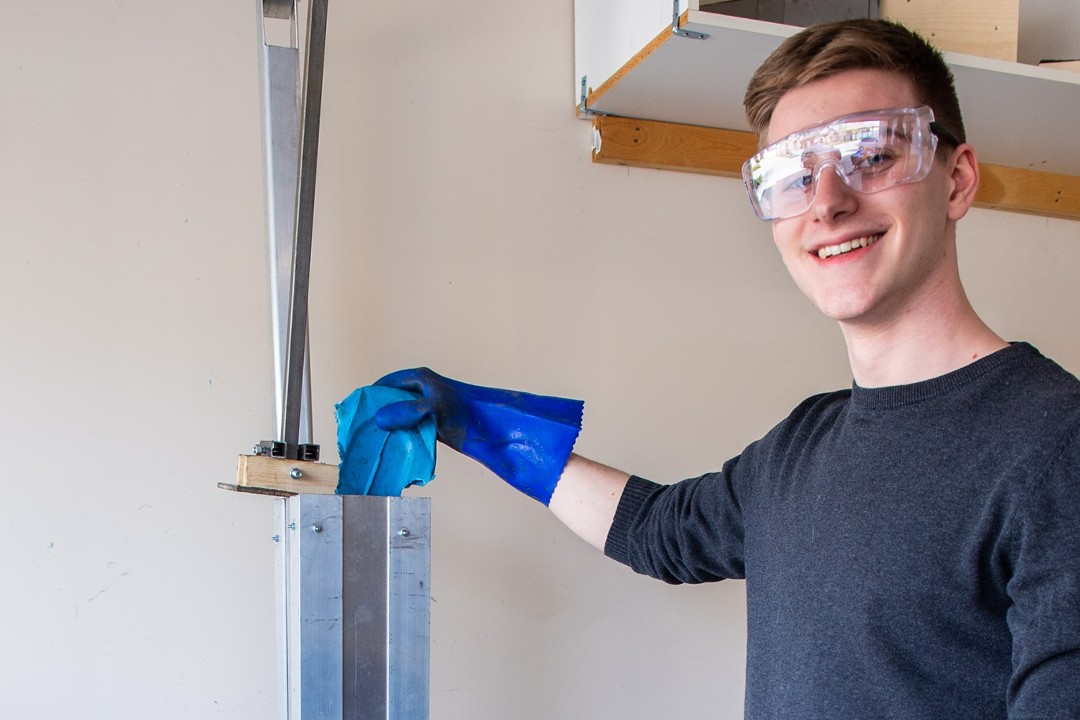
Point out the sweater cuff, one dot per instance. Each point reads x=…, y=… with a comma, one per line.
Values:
x=635, y=494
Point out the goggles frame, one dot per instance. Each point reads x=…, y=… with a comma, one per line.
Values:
x=871, y=151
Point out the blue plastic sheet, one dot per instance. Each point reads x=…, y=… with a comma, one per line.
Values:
x=380, y=462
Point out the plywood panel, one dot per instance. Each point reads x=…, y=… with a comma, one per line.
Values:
x=988, y=28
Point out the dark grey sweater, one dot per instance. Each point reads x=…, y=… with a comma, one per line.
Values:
x=909, y=552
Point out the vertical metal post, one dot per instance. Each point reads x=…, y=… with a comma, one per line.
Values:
x=291, y=117
x=359, y=612
x=279, y=65
x=296, y=355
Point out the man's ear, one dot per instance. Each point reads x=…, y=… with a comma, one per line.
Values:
x=963, y=168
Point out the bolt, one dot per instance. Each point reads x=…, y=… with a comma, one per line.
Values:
x=276, y=538
x=316, y=528
x=260, y=450
x=292, y=526
x=296, y=473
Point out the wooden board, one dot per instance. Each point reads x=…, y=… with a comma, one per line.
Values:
x=712, y=151
x=1029, y=191
x=272, y=476
x=987, y=28
x=670, y=146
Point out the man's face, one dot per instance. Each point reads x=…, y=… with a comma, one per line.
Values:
x=885, y=253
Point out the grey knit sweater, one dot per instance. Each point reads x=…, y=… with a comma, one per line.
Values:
x=909, y=552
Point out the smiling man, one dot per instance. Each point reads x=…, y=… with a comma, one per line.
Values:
x=873, y=243
x=911, y=546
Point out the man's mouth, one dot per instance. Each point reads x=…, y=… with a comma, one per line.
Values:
x=847, y=246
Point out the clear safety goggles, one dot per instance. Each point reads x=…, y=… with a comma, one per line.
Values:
x=871, y=151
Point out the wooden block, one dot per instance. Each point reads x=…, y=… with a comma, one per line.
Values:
x=273, y=476
x=988, y=28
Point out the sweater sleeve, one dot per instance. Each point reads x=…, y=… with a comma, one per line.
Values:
x=688, y=532
x=1044, y=587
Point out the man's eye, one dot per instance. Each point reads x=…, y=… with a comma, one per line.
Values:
x=802, y=182
x=877, y=161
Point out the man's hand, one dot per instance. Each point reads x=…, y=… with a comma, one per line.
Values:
x=524, y=439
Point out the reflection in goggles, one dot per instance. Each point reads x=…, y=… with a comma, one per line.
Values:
x=871, y=151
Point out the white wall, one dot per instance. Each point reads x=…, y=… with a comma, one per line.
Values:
x=460, y=224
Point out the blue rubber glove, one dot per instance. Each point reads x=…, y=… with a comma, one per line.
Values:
x=524, y=439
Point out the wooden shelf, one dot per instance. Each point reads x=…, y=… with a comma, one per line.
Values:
x=1018, y=117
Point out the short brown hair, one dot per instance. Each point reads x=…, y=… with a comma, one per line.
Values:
x=831, y=48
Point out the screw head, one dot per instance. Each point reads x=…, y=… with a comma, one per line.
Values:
x=404, y=532
x=316, y=528
x=296, y=473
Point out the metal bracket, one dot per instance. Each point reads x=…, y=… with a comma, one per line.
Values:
x=678, y=30
x=279, y=450
x=585, y=111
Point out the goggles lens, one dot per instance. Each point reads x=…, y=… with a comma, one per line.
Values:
x=870, y=151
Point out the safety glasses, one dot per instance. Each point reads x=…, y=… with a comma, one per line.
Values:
x=871, y=151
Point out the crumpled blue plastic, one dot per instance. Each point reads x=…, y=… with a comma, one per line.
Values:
x=376, y=461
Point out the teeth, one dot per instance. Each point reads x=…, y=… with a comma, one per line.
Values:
x=847, y=246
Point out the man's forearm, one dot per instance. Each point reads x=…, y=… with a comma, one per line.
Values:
x=586, y=497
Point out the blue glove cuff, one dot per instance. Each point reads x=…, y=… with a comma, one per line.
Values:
x=524, y=439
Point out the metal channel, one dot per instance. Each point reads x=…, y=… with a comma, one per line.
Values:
x=315, y=607
x=279, y=74
x=409, y=622
x=279, y=64
x=386, y=599
x=296, y=351
x=284, y=576
x=291, y=120
x=358, y=611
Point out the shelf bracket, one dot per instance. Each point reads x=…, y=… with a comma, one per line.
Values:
x=584, y=110
x=678, y=30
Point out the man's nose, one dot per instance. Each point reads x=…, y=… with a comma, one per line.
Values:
x=832, y=195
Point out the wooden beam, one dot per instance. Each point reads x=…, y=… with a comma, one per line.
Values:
x=712, y=151
x=273, y=476
x=669, y=146
x=1029, y=191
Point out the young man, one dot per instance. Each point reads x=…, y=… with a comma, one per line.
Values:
x=911, y=547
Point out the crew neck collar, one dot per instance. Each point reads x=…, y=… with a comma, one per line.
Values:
x=895, y=396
